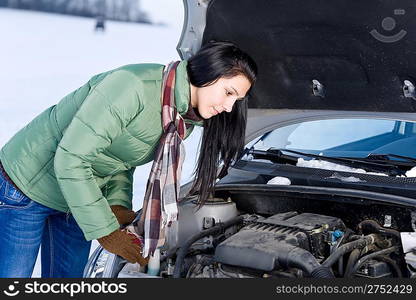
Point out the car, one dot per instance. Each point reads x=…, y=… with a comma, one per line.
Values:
x=326, y=185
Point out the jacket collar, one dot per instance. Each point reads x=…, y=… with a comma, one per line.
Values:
x=182, y=95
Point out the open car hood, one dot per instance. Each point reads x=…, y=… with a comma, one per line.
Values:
x=320, y=55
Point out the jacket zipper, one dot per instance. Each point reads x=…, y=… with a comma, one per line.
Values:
x=67, y=215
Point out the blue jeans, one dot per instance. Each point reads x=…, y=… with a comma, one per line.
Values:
x=25, y=225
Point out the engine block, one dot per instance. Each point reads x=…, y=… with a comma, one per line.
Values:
x=260, y=244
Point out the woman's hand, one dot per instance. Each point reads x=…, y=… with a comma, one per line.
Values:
x=124, y=216
x=124, y=244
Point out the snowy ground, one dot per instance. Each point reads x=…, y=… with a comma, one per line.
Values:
x=44, y=56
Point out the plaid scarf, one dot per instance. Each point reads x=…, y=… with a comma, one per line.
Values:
x=162, y=190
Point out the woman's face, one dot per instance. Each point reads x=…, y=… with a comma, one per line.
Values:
x=220, y=96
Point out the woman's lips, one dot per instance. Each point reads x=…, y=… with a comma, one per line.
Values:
x=216, y=112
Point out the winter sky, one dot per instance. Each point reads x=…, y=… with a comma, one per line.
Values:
x=166, y=11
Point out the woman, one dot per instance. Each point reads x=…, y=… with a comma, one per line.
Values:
x=66, y=178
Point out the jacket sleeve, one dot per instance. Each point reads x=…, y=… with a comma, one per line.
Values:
x=119, y=189
x=102, y=117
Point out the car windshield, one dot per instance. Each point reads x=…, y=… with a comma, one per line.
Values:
x=343, y=138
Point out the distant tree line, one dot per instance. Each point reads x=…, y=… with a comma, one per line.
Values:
x=120, y=10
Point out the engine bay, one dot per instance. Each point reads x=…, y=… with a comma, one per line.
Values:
x=298, y=239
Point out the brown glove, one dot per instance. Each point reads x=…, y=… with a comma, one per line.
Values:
x=125, y=245
x=123, y=214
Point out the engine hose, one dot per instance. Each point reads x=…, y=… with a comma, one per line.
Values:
x=348, y=235
x=340, y=266
x=220, y=227
x=304, y=260
x=352, y=259
x=392, y=264
x=322, y=272
x=348, y=247
x=374, y=227
x=367, y=257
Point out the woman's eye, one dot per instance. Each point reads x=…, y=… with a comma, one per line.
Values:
x=228, y=93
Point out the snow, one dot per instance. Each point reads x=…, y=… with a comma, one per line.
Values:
x=279, y=181
x=320, y=164
x=346, y=179
x=411, y=172
x=44, y=56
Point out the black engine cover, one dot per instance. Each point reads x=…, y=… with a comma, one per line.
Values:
x=258, y=245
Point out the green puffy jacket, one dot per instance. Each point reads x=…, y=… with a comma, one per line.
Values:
x=79, y=155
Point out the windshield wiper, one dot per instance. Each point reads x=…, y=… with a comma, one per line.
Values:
x=385, y=157
x=279, y=156
x=406, y=162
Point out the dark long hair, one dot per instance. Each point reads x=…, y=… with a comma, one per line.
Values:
x=223, y=136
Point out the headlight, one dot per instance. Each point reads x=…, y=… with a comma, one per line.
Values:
x=103, y=264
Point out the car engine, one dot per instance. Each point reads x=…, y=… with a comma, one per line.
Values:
x=265, y=244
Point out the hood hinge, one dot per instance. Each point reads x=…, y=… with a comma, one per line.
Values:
x=318, y=89
x=409, y=90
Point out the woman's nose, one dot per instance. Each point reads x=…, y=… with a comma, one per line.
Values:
x=228, y=104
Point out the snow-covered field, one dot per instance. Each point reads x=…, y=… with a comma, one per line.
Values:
x=45, y=56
